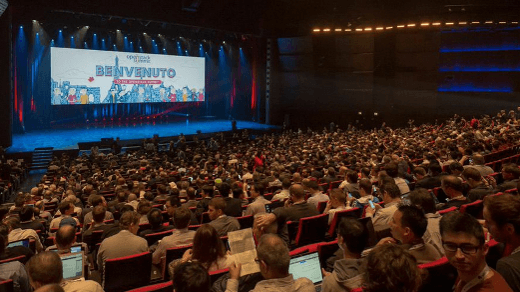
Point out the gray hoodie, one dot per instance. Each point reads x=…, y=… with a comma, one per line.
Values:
x=347, y=275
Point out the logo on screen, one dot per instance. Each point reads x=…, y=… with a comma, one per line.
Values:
x=139, y=59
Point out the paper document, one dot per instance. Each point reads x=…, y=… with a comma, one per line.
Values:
x=243, y=249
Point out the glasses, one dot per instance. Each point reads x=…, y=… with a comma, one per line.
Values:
x=465, y=248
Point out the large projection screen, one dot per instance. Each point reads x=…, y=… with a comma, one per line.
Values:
x=102, y=77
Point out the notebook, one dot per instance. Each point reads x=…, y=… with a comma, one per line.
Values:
x=307, y=266
x=23, y=242
x=73, y=266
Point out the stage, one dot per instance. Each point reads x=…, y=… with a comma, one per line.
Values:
x=67, y=139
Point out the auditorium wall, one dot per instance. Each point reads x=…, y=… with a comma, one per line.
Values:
x=366, y=78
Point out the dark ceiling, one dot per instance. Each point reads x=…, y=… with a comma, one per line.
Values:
x=271, y=17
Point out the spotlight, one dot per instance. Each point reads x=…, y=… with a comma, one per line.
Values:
x=118, y=30
x=326, y=29
x=87, y=26
x=21, y=26
x=144, y=33
x=125, y=37
x=59, y=30
x=375, y=114
x=224, y=42
x=94, y=33
x=316, y=30
x=34, y=20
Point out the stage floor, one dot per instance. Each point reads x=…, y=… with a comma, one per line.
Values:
x=63, y=139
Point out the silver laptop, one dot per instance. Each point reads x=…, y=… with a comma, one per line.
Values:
x=73, y=266
x=307, y=266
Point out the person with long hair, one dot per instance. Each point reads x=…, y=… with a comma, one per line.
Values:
x=208, y=250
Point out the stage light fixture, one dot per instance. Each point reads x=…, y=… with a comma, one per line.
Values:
x=425, y=24
x=450, y=23
x=144, y=33
x=379, y=28
x=360, y=113
x=21, y=26
x=316, y=30
x=400, y=26
x=411, y=25
x=502, y=22
x=514, y=22
x=118, y=30
x=338, y=29
x=348, y=29
x=375, y=114
x=463, y=22
x=489, y=22
x=359, y=29
x=368, y=29
x=326, y=29
x=475, y=22
x=389, y=27
x=436, y=23
x=58, y=31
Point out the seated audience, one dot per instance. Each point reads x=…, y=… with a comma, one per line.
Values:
x=98, y=224
x=452, y=187
x=191, y=276
x=17, y=233
x=208, y=250
x=181, y=236
x=124, y=243
x=284, y=193
x=13, y=270
x=381, y=217
x=220, y=221
x=67, y=209
x=391, y=268
x=365, y=195
x=502, y=215
x=336, y=203
x=27, y=220
x=273, y=258
x=408, y=226
x=65, y=239
x=478, y=188
x=348, y=271
x=464, y=244
x=15, y=251
x=259, y=202
x=155, y=219
x=424, y=200
x=311, y=185
x=46, y=268
x=233, y=203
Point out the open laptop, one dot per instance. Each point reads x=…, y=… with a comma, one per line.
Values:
x=23, y=242
x=73, y=249
x=308, y=266
x=73, y=266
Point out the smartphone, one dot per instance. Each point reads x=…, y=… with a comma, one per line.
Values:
x=372, y=204
x=349, y=195
x=267, y=208
x=374, y=189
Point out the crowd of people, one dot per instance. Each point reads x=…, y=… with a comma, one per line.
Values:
x=389, y=173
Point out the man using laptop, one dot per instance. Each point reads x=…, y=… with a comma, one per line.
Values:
x=65, y=239
x=273, y=258
x=47, y=268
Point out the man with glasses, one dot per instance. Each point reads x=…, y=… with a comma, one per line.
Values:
x=464, y=244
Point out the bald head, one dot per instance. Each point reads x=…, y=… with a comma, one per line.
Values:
x=478, y=159
x=297, y=191
x=65, y=237
x=273, y=251
x=44, y=268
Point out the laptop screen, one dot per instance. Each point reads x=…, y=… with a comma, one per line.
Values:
x=23, y=242
x=72, y=265
x=307, y=266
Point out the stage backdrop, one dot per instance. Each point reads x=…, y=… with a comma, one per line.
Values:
x=103, y=77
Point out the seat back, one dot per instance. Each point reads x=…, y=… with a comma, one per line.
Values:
x=440, y=277
x=311, y=229
x=354, y=212
x=20, y=258
x=154, y=237
x=326, y=250
x=335, y=184
x=445, y=211
x=246, y=221
x=143, y=227
x=475, y=209
x=321, y=206
x=176, y=253
x=204, y=218
x=161, y=287
x=7, y=286
x=372, y=236
x=128, y=272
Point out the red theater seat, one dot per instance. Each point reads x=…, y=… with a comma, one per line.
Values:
x=128, y=272
x=311, y=229
x=161, y=287
x=440, y=277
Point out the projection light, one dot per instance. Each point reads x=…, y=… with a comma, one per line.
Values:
x=425, y=24
x=34, y=20
x=411, y=25
x=379, y=28
x=436, y=23
x=359, y=29
x=326, y=29
x=463, y=23
x=87, y=26
x=338, y=29
x=450, y=23
x=316, y=30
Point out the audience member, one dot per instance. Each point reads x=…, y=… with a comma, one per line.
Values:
x=220, y=221
x=336, y=203
x=17, y=233
x=259, y=202
x=452, y=187
x=464, y=244
x=424, y=200
x=478, y=189
x=191, y=276
x=316, y=196
x=381, y=217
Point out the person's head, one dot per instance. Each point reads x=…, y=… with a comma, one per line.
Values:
x=191, y=276
x=95, y=200
x=502, y=215
x=98, y=214
x=27, y=213
x=171, y=204
x=286, y=183
x=351, y=176
x=66, y=208
x=510, y=171
x=144, y=207
x=478, y=159
x=337, y=198
x=65, y=237
x=207, y=191
x=273, y=257
x=297, y=192
x=452, y=186
x=352, y=237
x=419, y=172
x=408, y=224
x=237, y=192
x=391, y=192
x=216, y=208
x=464, y=243
x=365, y=187
x=44, y=268
x=50, y=288
x=391, y=268
x=391, y=169
x=258, y=189
x=130, y=221
x=456, y=168
x=12, y=223
x=155, y=218
x=472, y=176
x=224, y=189
x=423, y=199
x=181, y=217
x=259, y=231
x=207, y=245
x=311, y=184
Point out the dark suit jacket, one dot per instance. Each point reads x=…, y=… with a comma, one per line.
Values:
x=233, y=207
